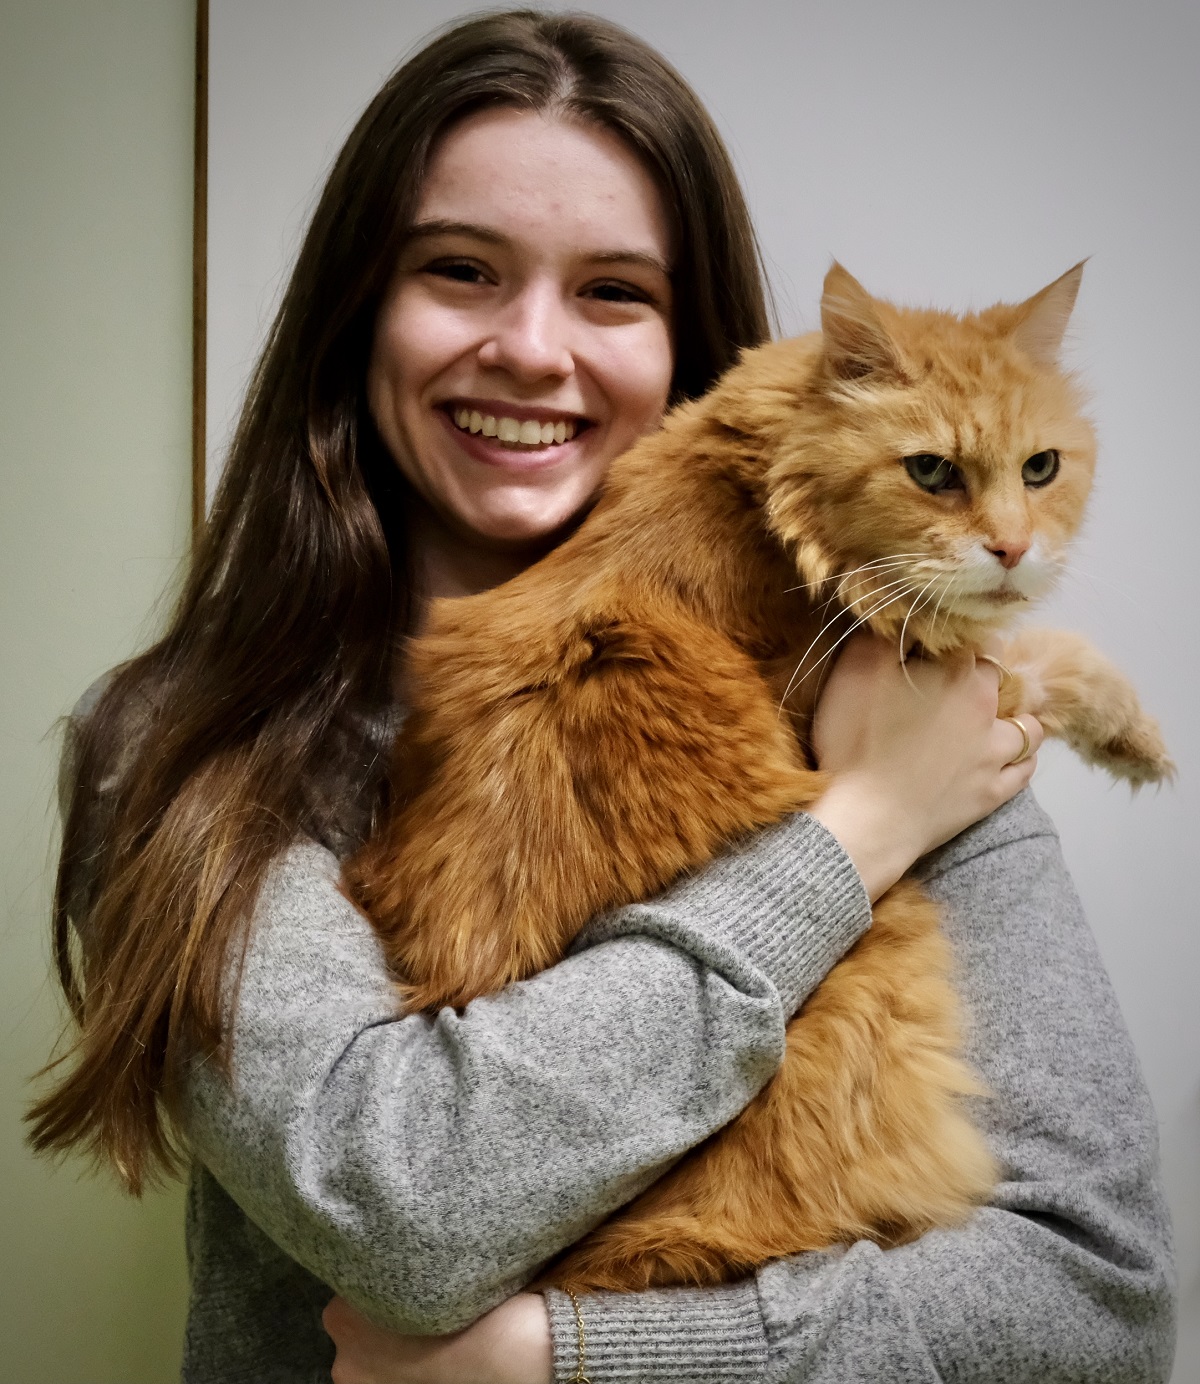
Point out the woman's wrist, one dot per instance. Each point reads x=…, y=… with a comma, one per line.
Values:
x=878, y=846
x=529, y=1332
x=672, y=1335
x=509, y=1345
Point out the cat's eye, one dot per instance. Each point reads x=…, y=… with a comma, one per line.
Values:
x=933, y=473
x=1040, y=469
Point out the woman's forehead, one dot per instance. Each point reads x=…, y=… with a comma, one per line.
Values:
x=520, y=176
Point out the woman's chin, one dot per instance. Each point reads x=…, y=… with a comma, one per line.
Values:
x=524, y=531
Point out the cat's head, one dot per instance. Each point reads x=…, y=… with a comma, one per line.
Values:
x=937, y=466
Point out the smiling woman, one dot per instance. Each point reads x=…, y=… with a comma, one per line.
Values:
x=525, y=340
x=535, y=226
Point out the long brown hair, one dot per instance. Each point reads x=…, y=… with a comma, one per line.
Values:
x=248, y=722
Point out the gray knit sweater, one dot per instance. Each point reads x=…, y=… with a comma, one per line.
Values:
x=425, y=1168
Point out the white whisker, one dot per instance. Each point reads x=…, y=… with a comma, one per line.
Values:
x=800, y=664
x=848, y=601
x=921, y=600
x=858, y=623
x=1074, y=570
x=893, y=560
x=934, y=616
x=879, y=590
x=846, y=610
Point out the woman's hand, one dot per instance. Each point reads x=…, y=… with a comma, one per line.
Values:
x=914, y=760
x=510, y=1345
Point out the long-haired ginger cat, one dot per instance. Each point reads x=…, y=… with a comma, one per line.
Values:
x=637, y=700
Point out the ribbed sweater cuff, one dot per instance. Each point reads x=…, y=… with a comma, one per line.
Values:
x=790, y=899
x=672, y=1336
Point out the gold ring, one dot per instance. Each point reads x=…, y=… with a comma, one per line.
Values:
x=1005, y=673
x=1028, y=744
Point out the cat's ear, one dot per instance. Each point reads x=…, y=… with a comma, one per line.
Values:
x=857, y=344
x=1041, y=321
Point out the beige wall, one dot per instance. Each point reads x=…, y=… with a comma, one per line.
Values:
x=95, y=303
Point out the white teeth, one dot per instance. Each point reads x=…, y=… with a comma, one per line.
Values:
x=527, y=433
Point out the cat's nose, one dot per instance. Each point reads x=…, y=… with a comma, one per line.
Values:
x=1008, y=554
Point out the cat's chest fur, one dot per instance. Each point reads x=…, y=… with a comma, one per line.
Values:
x=685, y=541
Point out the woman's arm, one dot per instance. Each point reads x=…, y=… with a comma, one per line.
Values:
x=424, y=1167
x=1067, y=1275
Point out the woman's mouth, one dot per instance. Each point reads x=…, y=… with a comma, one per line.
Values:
x=521, y=434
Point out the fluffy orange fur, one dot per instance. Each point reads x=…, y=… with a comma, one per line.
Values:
x=640, y=698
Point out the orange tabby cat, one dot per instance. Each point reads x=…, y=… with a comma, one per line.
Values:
x=583, y=734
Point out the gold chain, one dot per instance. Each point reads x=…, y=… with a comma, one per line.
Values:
x=579, y=1377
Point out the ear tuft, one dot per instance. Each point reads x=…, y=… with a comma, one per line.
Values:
x=857, y=344
x=1041, y=321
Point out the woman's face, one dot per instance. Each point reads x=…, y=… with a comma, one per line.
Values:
x=525, y=339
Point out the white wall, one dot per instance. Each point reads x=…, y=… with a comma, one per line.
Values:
x=95, y=416
x=946, y=152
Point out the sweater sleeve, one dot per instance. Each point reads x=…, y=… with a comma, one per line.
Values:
x=1066, y=1276
x=426, y=1167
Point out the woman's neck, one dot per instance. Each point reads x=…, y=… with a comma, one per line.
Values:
x=444, y=566
x=445, y=563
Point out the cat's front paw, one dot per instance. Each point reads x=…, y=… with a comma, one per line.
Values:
x=1135, y=753
x=1080, y=697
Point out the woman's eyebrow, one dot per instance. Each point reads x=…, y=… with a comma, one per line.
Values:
x=641, y=258
x=422, y=230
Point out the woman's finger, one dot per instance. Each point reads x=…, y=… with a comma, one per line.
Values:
x=989, y=661
x=1017, y=739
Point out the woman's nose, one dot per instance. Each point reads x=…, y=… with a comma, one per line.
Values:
x=531, y=337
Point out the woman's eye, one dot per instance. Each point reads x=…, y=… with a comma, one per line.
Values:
x=933, y=473
x=1040, y=469
x=461, y=271
x=617, y=293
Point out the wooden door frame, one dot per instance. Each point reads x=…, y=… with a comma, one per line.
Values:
x=200, y=269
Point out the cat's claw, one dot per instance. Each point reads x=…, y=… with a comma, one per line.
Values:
x=1137, y=756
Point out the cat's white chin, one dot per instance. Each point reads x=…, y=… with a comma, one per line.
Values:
x=1005, y=599
x=993, y=600
x=968, y=619
x=984, y=590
